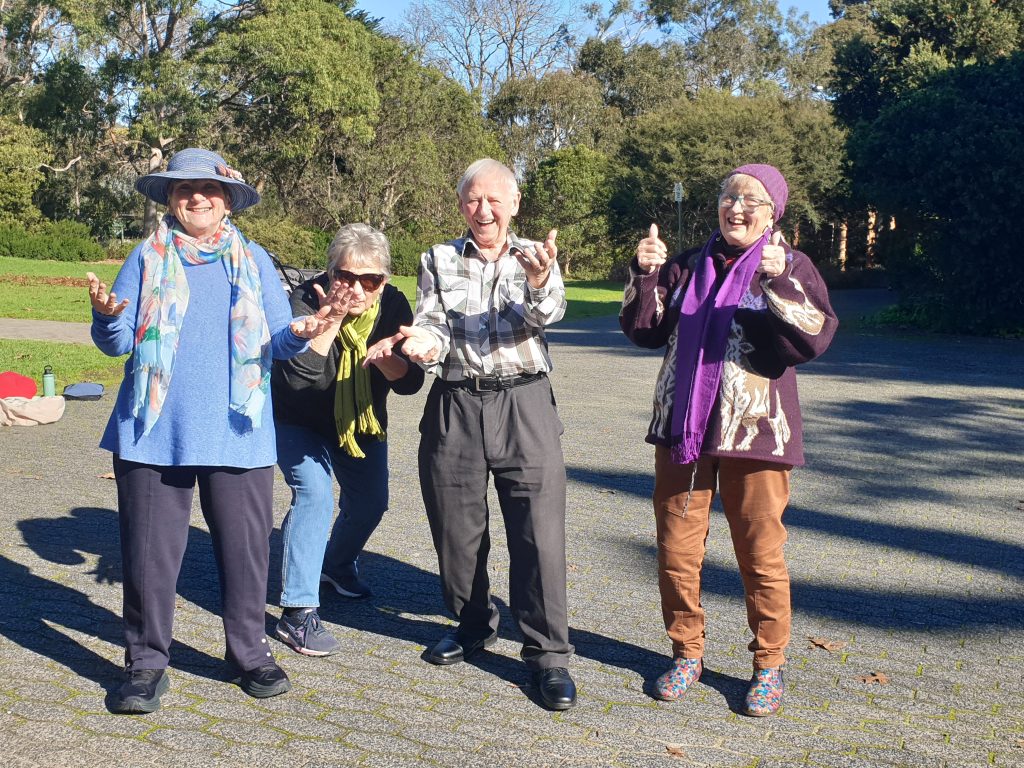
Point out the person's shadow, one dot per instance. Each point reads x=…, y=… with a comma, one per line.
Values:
x=37, y=606
x=402, y=592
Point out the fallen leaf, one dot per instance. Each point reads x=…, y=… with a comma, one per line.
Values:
x=572, y=567
x=828, y=645
x=607, y=490
x=675, y=750
x=106, y=476
x=1020, y=743
x=874, y=677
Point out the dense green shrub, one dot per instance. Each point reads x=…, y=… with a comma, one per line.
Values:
x=406, y=250
x=53, y=240
x=947, y=182
x=292, y=244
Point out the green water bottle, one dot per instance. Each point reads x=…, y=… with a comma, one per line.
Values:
x=49, y=382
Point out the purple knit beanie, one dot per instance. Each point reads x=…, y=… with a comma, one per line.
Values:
x=773, y=182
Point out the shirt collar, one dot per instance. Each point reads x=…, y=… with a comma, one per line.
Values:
x=513, y=243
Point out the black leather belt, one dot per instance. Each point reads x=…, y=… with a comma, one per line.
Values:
x=495, y=383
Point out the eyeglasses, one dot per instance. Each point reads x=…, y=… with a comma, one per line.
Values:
x=748, y=204
x=370, y=281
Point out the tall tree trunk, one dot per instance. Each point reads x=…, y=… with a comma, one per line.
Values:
x=842, y=245
x=872, y=237
x=151, y=216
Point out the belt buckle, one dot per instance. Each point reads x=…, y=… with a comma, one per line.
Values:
x=476, y=384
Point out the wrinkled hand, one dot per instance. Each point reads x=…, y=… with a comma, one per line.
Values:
x=420, y=346
x=102, y=302
x=537, y=262
x=651, y=252
x=773, y=257
x=333, y=309
x=335, y=302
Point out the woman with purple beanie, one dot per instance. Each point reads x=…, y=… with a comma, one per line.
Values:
x=735, y=316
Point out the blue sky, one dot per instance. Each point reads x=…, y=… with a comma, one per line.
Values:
x=392, y=10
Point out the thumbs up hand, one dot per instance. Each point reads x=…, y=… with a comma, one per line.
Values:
x=651, y=252
x=773, y=256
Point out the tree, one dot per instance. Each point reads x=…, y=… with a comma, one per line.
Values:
x=734, y=45
x=482, y=43
x=428, y=131
x=942, y=179
x=21, y=153
x=636, y=79
x=893, y=47
x=698, y=141
x=535, y=116
x=569, y=192
x=293, y=84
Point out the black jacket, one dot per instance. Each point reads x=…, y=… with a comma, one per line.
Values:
x=303, y=387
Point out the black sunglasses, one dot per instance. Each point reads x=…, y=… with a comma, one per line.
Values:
x=370, y=282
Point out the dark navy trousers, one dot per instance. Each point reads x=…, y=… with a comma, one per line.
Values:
x=154, y=507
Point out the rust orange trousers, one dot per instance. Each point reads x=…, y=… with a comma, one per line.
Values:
x=754, y=496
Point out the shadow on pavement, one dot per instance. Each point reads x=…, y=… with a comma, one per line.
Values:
x=67, y=541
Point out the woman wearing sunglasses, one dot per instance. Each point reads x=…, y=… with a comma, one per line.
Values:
x=331, y=416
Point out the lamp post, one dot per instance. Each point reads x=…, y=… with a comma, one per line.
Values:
x=677, y=194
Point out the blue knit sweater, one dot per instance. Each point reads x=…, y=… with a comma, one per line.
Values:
x=195, y=425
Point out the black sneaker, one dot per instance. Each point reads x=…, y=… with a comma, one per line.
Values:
x=265, y=681
x=141, y=692
x=346, y=582
x=306, y=634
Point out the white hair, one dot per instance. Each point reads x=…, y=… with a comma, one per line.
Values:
x=483, y=167
x=359, y=245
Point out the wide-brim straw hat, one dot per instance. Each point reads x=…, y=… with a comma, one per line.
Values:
x=193, y=163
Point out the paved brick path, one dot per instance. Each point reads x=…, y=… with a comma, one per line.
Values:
x=906, y=544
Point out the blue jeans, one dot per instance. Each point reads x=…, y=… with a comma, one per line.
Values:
x=308, y=460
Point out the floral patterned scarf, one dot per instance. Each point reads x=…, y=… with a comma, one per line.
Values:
x=163, y=301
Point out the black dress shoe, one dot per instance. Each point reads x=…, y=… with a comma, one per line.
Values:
x=557, y=690
x=451, y=649
x=141, y=692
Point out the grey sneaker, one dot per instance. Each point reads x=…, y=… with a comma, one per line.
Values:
x=347, y=583
x=306, y=634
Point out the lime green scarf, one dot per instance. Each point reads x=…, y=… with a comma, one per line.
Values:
x=353, y=398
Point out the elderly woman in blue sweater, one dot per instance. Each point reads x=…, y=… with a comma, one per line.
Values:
x=202, y=315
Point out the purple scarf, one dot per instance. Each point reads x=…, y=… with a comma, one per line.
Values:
x=704, y=322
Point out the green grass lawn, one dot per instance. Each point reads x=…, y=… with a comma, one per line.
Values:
x=71, y=363
x=56, y=290
x=48, y=290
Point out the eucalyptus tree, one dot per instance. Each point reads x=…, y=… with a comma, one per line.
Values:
x=483, y=43
x=535, y=116
x=292, y=84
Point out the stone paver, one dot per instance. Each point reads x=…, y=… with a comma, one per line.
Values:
x=906, y=544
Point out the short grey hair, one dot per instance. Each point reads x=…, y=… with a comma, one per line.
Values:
x=359, y=245
x=485, y=166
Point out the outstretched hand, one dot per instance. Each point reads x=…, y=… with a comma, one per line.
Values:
x=102, y=302
x=537, y=262
x=334, y=304
x=419, y=345
x=651, y=252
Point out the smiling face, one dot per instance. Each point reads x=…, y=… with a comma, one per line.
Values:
x=488, y=204
x=200, y=205
x=740, y=227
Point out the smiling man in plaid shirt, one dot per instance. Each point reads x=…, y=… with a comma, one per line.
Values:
x=483, y=301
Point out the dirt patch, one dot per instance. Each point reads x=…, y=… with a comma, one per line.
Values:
x=75, y=282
